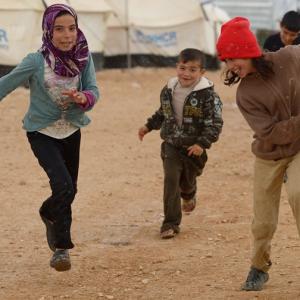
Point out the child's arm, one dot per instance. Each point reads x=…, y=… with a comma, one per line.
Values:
x=156, y=120
x=142, y=131
x=18, y=75
x=213, y=121
x=153, y=122
x=89, y=93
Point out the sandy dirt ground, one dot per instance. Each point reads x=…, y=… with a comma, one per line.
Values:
x=118, y=209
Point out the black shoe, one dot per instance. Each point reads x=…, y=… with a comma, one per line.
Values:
x=255, y=280
x=50, y=233
x=60, y=260
x=168, y=234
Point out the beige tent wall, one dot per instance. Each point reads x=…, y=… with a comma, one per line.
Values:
x=159, y=27
x=20, y=26
x=92, y=17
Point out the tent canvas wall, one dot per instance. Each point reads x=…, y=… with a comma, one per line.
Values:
x=21, y=33
x=92, y=16
x=211, y=25
x=153, y=32
x=263, y=15
x=17, y=39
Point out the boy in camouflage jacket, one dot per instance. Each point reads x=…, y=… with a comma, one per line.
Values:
x=190, y=120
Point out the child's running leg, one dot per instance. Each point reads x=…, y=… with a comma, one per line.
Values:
x=188, y=186
x=172, y=164
x=192, y=167
x=51, y=154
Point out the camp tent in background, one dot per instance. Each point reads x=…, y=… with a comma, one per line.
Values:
x=153, y=32
x=21, y=33
x=263, y=15
x=212, y=23
x=141, y=32
x=20, y=23
x=92, y=16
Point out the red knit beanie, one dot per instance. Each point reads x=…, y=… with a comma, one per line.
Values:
x=237, y=40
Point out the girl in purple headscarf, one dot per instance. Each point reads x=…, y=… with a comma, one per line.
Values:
x=63, y=87
x=67, y=55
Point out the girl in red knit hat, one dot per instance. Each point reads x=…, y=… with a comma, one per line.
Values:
x=268, y=97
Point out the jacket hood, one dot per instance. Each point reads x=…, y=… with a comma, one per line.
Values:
x=201, y=85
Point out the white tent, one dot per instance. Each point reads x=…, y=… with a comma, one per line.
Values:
x=20, y=23
x=92, y=17
x=20, y=26
x=159, y=28
x=280, y=8
x=263, y=15
x=214, y=18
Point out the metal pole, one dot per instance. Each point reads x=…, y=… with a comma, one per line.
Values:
x=127, y=26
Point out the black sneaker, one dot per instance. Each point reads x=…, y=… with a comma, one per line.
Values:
x=50, y=233
x=255, y=280
x=60, y=260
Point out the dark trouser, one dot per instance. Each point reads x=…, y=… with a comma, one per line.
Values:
x=180, y=172
x=60, y=160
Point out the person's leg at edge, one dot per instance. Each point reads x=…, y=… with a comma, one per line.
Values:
x=293, y=188
x=172, y=165
x=268, y=176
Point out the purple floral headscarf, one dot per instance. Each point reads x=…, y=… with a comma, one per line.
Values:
x=64, y=63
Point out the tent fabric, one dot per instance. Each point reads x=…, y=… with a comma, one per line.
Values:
x=36, y=5
x=16, y=40
x=19, y=38
x=154, y=13
x=166, y=41
x=214, y=13
x=161, y=27
x=264, y=15
x=282, y=6
x=92, y=18
x=84, y=5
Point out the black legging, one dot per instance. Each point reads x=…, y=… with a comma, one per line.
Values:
x=60, y=160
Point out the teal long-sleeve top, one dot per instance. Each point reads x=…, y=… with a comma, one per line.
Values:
x=42, y=109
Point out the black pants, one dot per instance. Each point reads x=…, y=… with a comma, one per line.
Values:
x=180, y=172
x=60, y=160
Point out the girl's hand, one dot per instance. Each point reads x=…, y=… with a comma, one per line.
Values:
x=194, y=150
x=76, y=96
x=142, y=131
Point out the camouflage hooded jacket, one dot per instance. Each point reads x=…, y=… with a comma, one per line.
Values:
x=202, y=116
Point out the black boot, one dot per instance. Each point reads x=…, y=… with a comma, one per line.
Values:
x=50, y=233
x=60, y=260
x=255, y=280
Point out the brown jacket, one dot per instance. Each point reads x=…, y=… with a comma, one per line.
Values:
x=272, y=107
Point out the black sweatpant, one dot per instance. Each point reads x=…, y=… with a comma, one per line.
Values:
x=60, y=160
x=180, y=172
